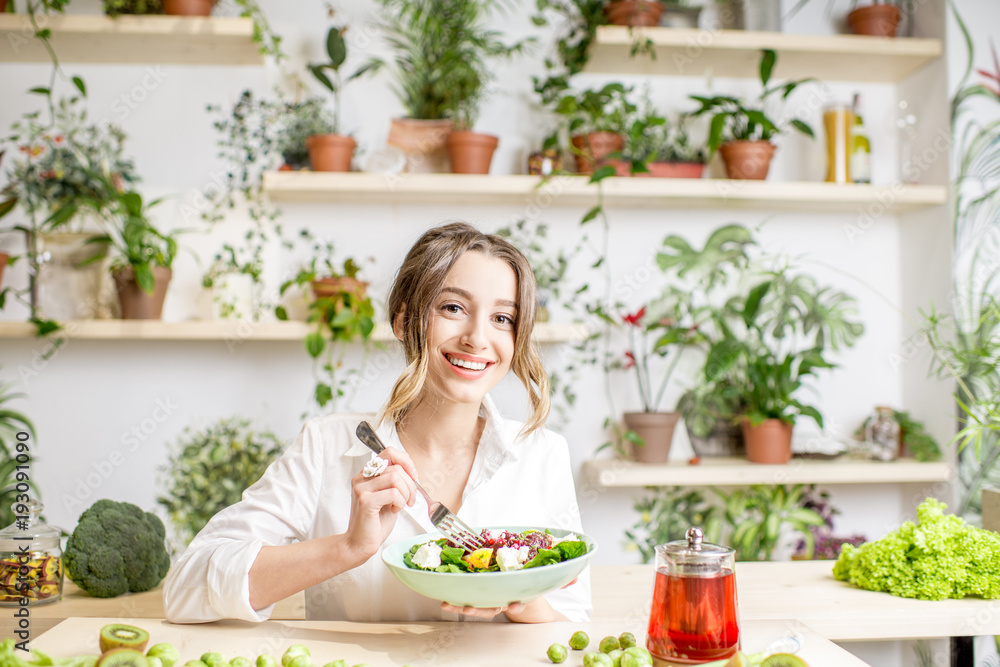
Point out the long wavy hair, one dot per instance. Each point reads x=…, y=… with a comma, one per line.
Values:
x=419, y=282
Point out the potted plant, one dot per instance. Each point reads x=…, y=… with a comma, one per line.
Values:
x=596, y=121
x=761, y=516
x=634, y=13
x=144, y=255
x=66, y=175
x=296, y=122
x=743, y=131
x=879, y=19
x=209, y=469
x=788, y=325
x=189, y=7
x=116, y=7
x=665, y=514
x=330, y=150
x=232, y=281
x=341, y=311
x=440, y=50
x=655, y=147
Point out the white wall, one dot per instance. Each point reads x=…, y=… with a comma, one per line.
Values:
x=88, y=398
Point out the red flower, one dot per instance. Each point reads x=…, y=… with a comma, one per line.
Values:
x=58, y=139
x=629, y=359
x=635, y=318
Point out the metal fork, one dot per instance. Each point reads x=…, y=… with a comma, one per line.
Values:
x=443, y=518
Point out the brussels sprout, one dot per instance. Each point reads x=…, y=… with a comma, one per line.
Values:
x=154, y=662
x=637, y=657
x=195, y=663
x=167, y=653
x=616, y=656
x=579, y=640
x=557, y=653
x=300, y=660
x=626, y=639
x=608, y=644
x=336, y=663
x=214, y=659
x=266, y=660
x=240, y=661
x=293, y=652
x=595, y=659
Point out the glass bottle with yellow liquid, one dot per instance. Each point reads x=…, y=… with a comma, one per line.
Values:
x=838, y=121
x=860, y=166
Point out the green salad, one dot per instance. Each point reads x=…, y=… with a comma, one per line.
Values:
x=504, y=551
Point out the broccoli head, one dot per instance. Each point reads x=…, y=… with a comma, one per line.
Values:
x=938, y=557
x=117, y=548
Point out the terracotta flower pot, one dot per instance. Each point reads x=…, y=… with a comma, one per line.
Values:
x=634, y=13
x=336, y=285
x=749, y=160
x=423, y=142
x=330, y=152
x=876, y=20
x=3, y=6
x=591, y=150
x=471, y=152
x=188, y=7
x=662, y=169
x=136, y=304
x=657, y=430
x=4, y=257
x=770, y=442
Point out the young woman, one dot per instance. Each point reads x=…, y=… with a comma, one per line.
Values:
x=463, y=306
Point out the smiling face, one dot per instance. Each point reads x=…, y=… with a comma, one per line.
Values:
x=470, y=332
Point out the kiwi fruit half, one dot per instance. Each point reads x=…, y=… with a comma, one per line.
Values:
x=119, y=635
x=783, y=660
x=122, y=657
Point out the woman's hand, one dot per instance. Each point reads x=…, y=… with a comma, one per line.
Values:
x=536, y=611
x=375, y=502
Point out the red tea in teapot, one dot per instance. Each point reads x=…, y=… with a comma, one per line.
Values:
x=693, y=618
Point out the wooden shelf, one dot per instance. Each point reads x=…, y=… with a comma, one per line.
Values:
x=736, y=53
x=230, y=331
x=364, y=188
x=168, y=40
x=724, y=471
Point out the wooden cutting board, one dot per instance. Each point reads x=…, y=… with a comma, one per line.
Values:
x=384, y=644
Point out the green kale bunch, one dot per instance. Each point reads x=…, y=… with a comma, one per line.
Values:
x=939, y=557
x=117, y=548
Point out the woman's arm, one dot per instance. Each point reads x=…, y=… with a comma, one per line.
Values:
x=280, y=571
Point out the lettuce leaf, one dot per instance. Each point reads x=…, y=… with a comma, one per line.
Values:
x=571, y=549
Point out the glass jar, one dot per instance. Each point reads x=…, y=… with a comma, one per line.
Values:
x=882, y=434
x=31, y=564
x=694, y=617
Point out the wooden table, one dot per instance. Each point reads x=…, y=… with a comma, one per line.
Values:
x=381, y=644
x=804, y=591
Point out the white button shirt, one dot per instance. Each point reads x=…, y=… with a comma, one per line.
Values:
x=306, y=494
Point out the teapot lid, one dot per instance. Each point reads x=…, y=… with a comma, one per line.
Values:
x=698, y=556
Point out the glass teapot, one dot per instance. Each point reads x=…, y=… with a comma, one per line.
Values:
x=694, y=618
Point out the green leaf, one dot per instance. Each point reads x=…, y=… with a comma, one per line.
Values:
x=281, y=313
x=606, y=171
x=767, y=61
x=336, y=47
x=315, y=344
x=317, y=71
x=40, y=91
x=144, y=277
x=80, y=85
x=803, y=127
x=591, y=214
x=323, y=394
x=7, y=206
